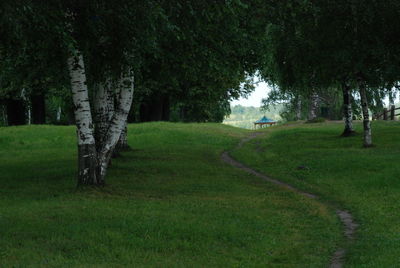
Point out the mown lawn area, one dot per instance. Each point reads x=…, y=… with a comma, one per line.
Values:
x=172, y=202
x=365, y=181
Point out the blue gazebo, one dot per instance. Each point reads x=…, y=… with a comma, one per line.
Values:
x=264, y=121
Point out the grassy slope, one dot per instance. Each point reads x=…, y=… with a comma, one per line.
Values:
x=366, y=181
x=171, y=202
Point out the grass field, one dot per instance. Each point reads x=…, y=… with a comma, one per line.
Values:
x=171, y=202
x=365, y=181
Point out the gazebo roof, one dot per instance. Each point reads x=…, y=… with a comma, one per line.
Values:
x=264, y=120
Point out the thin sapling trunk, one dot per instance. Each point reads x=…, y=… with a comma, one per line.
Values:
x=347, y=111
x=103, y=112
x=298, y=109
x=365, y=112
x=312, y=113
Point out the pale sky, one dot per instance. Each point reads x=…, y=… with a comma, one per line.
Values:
x=260, y=92
x=262, y=89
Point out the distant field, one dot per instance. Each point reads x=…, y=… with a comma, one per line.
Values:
x=244, y=117
x=365, y=181
x=171, y=202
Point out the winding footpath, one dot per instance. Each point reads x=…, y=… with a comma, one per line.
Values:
x=349, y=225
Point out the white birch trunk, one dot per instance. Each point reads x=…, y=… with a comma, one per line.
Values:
x=28, y=106
x=366, y=121
x=29, y=115
x=117, y=123
x=4, y=115
x=347, y=111
x=84, y=123
x=298, y=109
x=123, y=139
x=312, y=113
x=392, y=96
x=58, y=116
x=122, y=144
x=103, y=112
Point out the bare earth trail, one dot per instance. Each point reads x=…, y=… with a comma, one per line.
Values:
x=349, y=225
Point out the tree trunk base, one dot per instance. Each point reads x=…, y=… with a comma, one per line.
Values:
x=119, y=149
x=348, y=133
x=368, y=145
x=115, y=154
x=87, y=164
x=125, y=148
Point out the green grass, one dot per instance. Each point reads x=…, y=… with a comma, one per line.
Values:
x=171, y=202
x=366, y=181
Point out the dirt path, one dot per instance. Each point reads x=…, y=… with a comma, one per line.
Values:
x=349, y=225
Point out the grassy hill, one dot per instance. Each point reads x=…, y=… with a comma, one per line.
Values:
x=171, y=202
x=244, y=117
x=365, y=181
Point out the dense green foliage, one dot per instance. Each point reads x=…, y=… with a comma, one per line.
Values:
x=201, y=62
x=314, y=47
x=368, y=187
x=171, y=202
x=189, y=57
x=329, y=104
x=317, y=44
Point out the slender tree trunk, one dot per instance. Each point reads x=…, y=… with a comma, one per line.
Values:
x=84, y=124
x=298, y=109
x=347, y=111
x=392, y=96
x=122, y=144
x=29, y=115
x=366, y=121
x=58, y=115
x=38, y=109
x=103, y=112
x=117, y=123
x=4, y=114
x=312, y=113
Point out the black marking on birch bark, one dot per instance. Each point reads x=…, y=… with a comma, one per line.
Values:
x=87, y=164
x=86, y=143
x=314, y=99
x=114, y=128
x=347, y=111
x=365, y=112
x=350, y=226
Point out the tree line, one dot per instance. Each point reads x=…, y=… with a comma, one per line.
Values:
x=322, y=51
x=89, y=62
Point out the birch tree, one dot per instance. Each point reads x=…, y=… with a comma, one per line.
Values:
x=347, y=110
x=365, y=113
x=314, y=105
x=87, y=161
x=116, y=125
